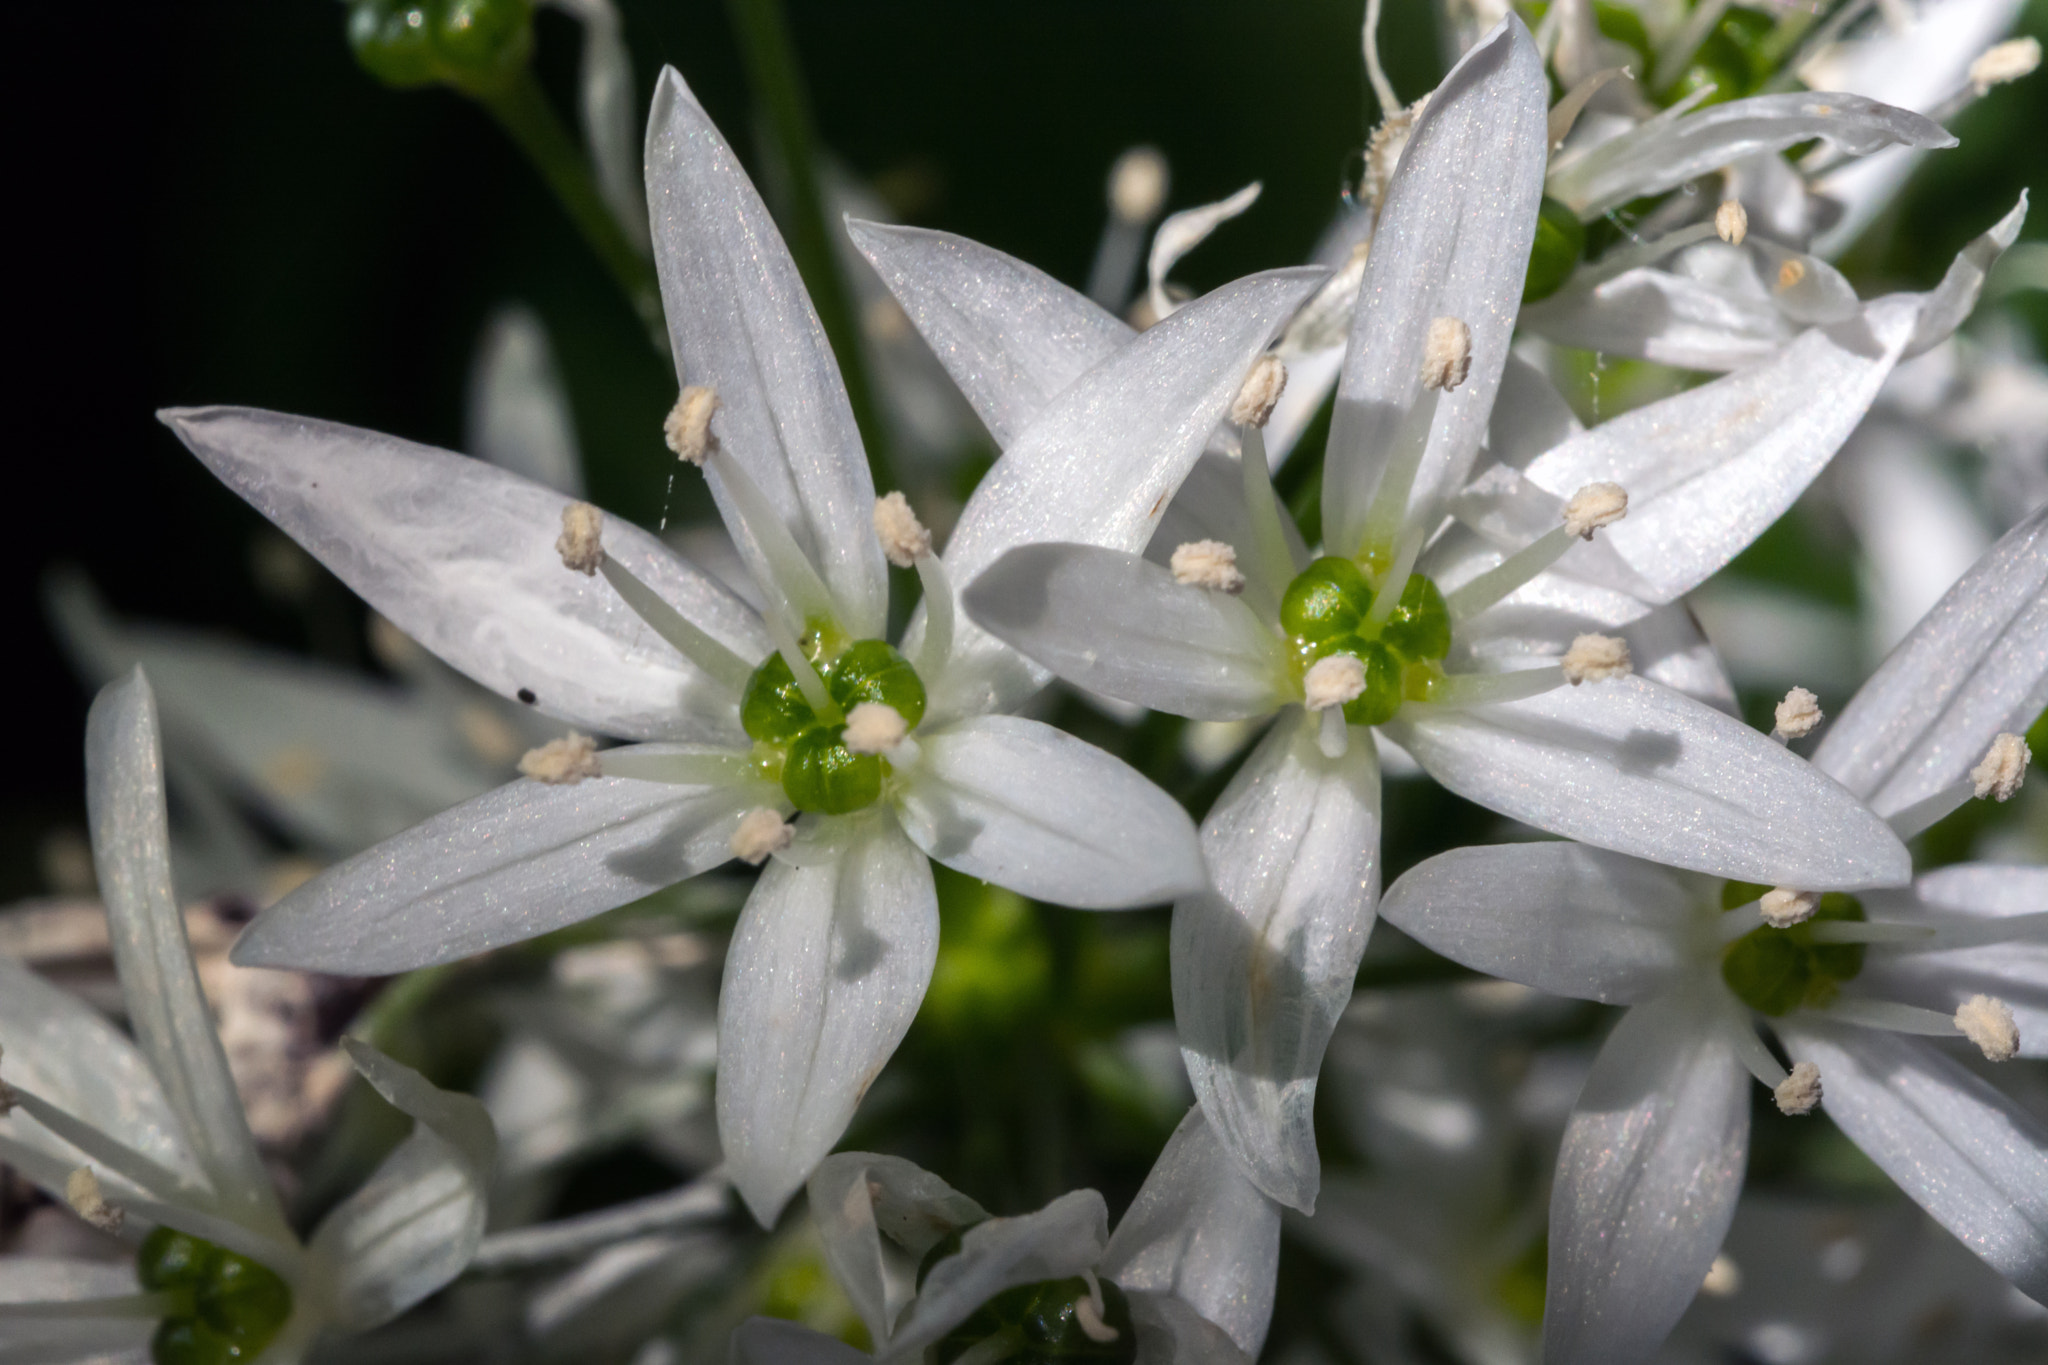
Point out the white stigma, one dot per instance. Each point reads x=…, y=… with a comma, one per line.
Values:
x=1446, y=354
x=1723, y=1277
x=1731, y=222
x=2004, y=768
x=1088, y=1312
x=904, y=538
x=1596, y=658
x=82, y=1192
x=874, y=727
x=2006, y=61
x=1797, y=715
x=1594, y=506
x=1800, y=1091
x=1987, y=1021
x=687, y=429
x=1783, y=907
x=1208, y=564
x=1254, y=404
x=562, y=762
x=581, y=544
x=1137, y=185
x=761, y=832
x=1333, y=680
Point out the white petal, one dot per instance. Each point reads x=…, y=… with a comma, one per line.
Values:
x=460, y=555
x=1200, y=1232
x=1210, y=506
x=1117, y=624
x=740, y=321
x=610, y=114
x=1646, y=1183
x=1453, y=241
x=1949, y=302
x=1967, y=1154
x=89, y=1337
x=878, y=1216
x=824, y=975
x=511, y=864
x=1629, y=765
x=413, y=1227
x=1561, y=917
x=1668, y=151
x=1974, y=666
x=1025, y=806
x=519, y=416
x=2015, y=971
x=1172, y=1333
x=1182, y=232
x=1263, y=966
x=773, y=1341
x=124, y=793
x=1668, y=647
x=1657, y=315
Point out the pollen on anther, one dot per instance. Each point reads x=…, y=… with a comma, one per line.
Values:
x=761, y=832
x=1724, y=1277
x=581, y=544
x=1797, y=715
x=1800, y=1091
x=1791, y=273
x=1332, y=681
x=82, y=1192
x=1260, y=394
x=2003, y=62
x=904, y=538
x=687, y=429
x=874, y=727
x=1782, y=907
x=1596, y=658
x=1593, y=507
x=562, y=762
x=1987, y=1021
x=2003, y=769
x=1731, y=222
x=1137, y=185
x=1208, y=564
x=1446, y=354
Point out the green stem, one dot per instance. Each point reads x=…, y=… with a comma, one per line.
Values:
x=522, y=109
x=763, y=32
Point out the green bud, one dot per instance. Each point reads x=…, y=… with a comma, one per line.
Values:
x=773, y=708
x=1775, y=971
x=169, y=1259
x=1382, y=696
x=1554, y=254
x=1420, y=628
x=1327, y=600
x=477, y=46
x=872, y=670
x=230, y=1306
x=245, y=1301
x=823, y=775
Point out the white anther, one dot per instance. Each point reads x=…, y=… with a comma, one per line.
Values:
x=687, y=429
x=1446, y=354
x=1594, y=506
x=1208, y=564
x=1383, y=149
x=874, y=727
x=2006, y=61
x=1800, y=1091
x=1797, y=715
x=1137, y=185
x=2003, y=769
x=1255, y=401
x=562, y=762
x=581, y=544
x=761, y=832
x=1333, y=680
x=1723, y=1277
x=1731, y=222
x=1596, y=658
x=82, y=1192
x=1783, y=907
x=1790, y=273
x=1987, y=1021
x=904, y=538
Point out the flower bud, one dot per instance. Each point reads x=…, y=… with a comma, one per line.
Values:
x=477, y=46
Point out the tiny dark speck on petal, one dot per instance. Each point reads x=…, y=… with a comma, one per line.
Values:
x=525, y=694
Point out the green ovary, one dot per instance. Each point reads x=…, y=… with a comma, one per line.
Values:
x=1324, y=612
x=808, y=753
x=1039, y=1322
x=1775, y=971
x=228, y=1307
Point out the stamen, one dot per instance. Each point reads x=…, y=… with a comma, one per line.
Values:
x=1797, y=715
x=716, y=660
x=761, y=832
x=1389, y=508
x=1394, y=580
x=1210, y=564
x=794, y=583
x=1724, y=1279
x=904, y=538
x=1790, y=273
x=803, y=671
x=1334, y=736
x=686, y=770
x=2006, y=61
x=1750, y=1050
x=937, y=645
x=581, y=544
x=1332, y=681
x=1596, y=658
x=1799, y=1091
x=1889, y=1014
x=562, y=762
x=1382, y=88
x=1263, y=385
x=2003, y=770
x=1137, y=186
x=1875, y=931
x=82, y=1192
x=874, y=727
x=1731, y=222
x=1987, y=1021
x=687, y=429
x=1446, y=354
x=1783, y=907
x=1272, y=560
x=1088, y=1312
x=1461, y=690
x=1594, y=506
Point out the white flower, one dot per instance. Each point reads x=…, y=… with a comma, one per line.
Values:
x=150, y=1133
x=1654, y=1155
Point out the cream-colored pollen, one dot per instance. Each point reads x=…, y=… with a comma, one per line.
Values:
x=1797, y=715
x=874, y=727
x=1263, y=385
x=1208, y=564
x=1383, y=149
x=1723, y=1277
x=1446, y=354
x=687, y=429
x=1593, y=507
x=1137, y=185
x=2006, y=61
x=1987, y=1021
x=1791, y=273
x=562, y=762
x=82, y=1192
x=2004, y=768
x=904, y=538
x=581, y=544
x=1731, y=222
x=1782, y=907
x=1331, y=681
x=1596, y=658
x=1800, y=1091
x=761, y=832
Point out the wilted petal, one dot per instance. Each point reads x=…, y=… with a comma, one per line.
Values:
x=417, y=1222
x=519, y=416
x=511, y=864
x=1263, y=965
x=1025, y=806
x=878, y=1216
x=1629, y=765
x=1646, y=1183
x=825, y=972
x=740, y=321
x=460, y=555
x=772, y=1341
